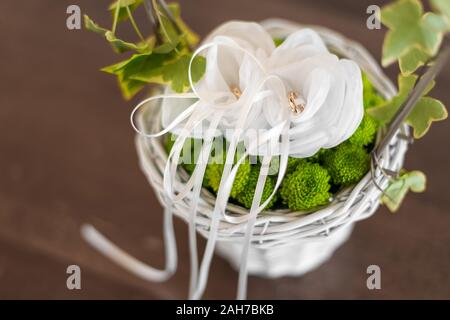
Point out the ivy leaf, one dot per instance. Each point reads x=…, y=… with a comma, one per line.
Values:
x=135, y=65
x=397, y=190
x=117, y=44
x=423, y=114
x=408, y=29
x=123, y=4
x=121, y=46
x=167, y=46
x=158, y=68
x=129, y=87
x=412, y=59
x=178, y=72
x=438, y=23
x=442, y=6
x=175, y=73
x=90, y=25
x=165, y=64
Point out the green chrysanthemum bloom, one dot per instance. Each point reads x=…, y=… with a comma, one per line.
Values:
x=213, y=175
x=306, y=188
x=347, y=164
x=246, y=196
x=292, y=164
x=365, y=134
x=241, y=179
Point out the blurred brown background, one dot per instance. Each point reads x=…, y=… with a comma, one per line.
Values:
x=67, y=157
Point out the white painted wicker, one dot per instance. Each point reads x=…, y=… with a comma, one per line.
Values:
x=284, y=242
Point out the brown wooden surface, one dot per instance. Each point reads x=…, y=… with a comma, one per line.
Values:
x=67, y=157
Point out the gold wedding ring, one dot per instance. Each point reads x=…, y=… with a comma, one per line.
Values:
x=235, y=90
x=296, y=108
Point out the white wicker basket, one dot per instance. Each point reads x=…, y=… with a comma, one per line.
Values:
x=283, y=242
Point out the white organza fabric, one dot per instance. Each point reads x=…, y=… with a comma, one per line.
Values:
x=244, y=54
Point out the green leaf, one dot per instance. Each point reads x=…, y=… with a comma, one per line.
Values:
x=175, y=73
x=165, y=64
x=423, y=114
x=117, y=44
x=397, y=190
x=146, y=63
x=90, y=25
x=167, y=46
x=121, y=46
x=436, y=22
x=408, y=29
x=129, y=87
x=442, y=6
x=135, y=65
x=413, y=59
x=167, y=68
x=123, y=14
x=178, y=72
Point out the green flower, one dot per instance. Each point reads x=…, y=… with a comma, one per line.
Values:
x=347, y=164
x=246, y=196
x=214, y=170
x=365, y=134
x=292, y=164
x=306, y=188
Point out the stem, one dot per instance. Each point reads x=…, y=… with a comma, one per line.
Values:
x=151, y=16
x=172, y=20
x=134, y=24
x=116, y=17
x=159, y=14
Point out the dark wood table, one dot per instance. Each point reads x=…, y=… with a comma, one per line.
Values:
x=67, y=157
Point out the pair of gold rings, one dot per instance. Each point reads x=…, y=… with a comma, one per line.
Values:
x=295, y=108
